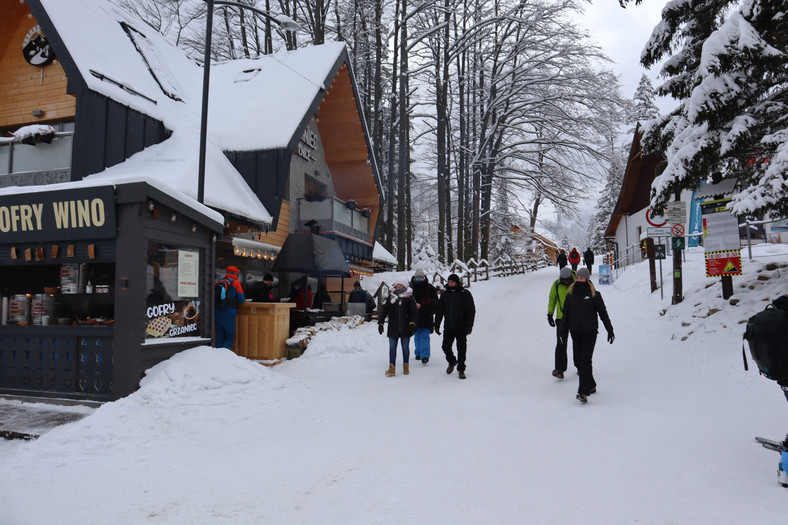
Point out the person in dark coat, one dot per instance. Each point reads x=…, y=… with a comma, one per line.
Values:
x=561, y=259
x=263, y=291
x=427, y=300
x=226, y=311
x=582, y=306
x=401, y=310
x=457, y=307
x=588, y=258
x=321, y=297
x=574, y=259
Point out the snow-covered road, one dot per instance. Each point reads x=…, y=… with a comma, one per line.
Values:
x=328, y=439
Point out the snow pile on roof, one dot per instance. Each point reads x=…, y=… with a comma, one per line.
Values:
x=379, y=253
x=255, y=104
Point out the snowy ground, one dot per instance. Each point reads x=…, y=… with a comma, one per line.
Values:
x=327, y=439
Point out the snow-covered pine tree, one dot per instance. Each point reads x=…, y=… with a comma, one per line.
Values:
x=424, y=256
x=643, y=101
x=726, y=61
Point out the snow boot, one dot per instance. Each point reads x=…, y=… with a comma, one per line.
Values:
x=462, y=374
x=425, y=360
x=450, y=368
x=392, y=371
x=558, y=374
x=405, y=369
x=582, y=398
x=782, y=477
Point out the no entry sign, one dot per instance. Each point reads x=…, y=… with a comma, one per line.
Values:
x=677, y=230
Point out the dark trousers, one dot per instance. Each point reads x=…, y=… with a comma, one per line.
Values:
x=574, y=267
x=560, y=347
x=590, y=270
x=583, y=346
x=462, y=346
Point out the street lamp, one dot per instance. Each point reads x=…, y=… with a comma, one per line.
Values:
x=284, y=22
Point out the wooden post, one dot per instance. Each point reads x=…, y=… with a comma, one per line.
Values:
x=678, y=295
x=652, y=270
x=727, y=286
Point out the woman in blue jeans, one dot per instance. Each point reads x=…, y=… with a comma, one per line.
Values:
x=401, y=310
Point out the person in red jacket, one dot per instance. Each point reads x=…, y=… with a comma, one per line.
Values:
x=574, y=259
x=227, y=307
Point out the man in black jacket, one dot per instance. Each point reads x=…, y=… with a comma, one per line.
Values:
x=588, y=258
x=456, y=305
x=427, y=300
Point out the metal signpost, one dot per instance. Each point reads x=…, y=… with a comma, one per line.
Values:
x=659, y=232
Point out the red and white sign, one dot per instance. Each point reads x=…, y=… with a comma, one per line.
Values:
x=677, y=230
x=723, y=262
x=655, y=222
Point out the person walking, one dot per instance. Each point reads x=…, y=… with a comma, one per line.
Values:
x=574, y=259
x=229, y=294
x=457, y=307
x=263, y=291
x=401, y=310
x=561, y=259
x=588, y=258
x=426, y=300
x=555, y=303
x=582, y=306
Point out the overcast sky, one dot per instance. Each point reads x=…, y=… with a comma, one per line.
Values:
x=622, y=33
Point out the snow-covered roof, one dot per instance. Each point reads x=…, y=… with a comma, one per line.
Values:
x=255, y=104
x=379, y=253
x=723, y=188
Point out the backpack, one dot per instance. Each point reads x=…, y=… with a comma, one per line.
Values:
x=221, y=294
x=767, y=335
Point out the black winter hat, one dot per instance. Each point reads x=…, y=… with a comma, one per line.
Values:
x=356, y=284
x=268, y=277
x=454, y=277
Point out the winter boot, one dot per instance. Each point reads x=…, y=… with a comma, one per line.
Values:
x=462, y=374
x=782, y=477
x=405, y=369
x=582, y=398
x=450, y=368
x=392, y=371
x=558, y=374
x=425, y=360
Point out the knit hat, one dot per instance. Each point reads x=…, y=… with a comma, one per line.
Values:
x=454, y=277
x=419, y=273
x=268, y=277
x=566, y=273
x=233, y=270
x=584, y=273
x=403, y=281
x=357, y=283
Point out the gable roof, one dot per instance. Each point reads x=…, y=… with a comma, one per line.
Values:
x=255, y=104
x=635, y=191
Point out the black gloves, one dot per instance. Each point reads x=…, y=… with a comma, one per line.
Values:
x=469, y=330
x=411, y=329
x=380, y=328
x=550, y=320
x=611, y=337
x=438, y=328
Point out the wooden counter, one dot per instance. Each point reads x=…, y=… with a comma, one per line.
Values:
x=261, y=330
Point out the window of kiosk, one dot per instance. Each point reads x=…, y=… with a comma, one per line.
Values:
x=76, y=294
x=173, y=286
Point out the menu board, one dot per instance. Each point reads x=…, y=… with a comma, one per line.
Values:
x=188, y=273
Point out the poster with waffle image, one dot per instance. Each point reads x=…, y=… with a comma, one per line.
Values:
x=173, y=319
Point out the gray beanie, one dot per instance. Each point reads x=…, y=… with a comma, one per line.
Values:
x=584, y=273
x=566, y=273
x=419, y=273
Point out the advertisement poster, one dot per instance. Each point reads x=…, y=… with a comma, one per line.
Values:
x=173, y=319
x=604, y=274
x=188, y=273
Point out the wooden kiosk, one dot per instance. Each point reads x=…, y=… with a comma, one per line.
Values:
x=261, y=330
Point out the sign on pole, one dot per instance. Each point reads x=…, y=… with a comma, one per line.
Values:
x=677, y=212
x=659, y=251
x=677, y=230
x=723, y=262
x=678, y=243
x=661, y=231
